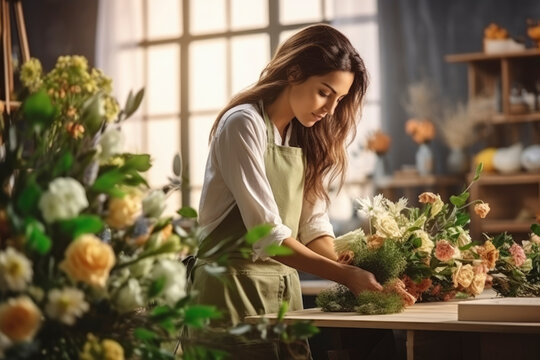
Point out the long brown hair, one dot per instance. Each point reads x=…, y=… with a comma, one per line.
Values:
x=316, y=50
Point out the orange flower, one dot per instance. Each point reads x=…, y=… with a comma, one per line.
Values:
x=427, y=198
x=20, y=319
x=482, y=209
x=374, y=242
x=379, y=142
x=489, y=254
x=346, y=257
x=421, y=130
x=75, y=130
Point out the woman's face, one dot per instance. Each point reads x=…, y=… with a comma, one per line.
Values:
x=318, y=96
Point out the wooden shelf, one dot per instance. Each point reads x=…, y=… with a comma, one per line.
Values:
x=481, y=56
x=506, y=179
x=511, y=226
x=521, y=118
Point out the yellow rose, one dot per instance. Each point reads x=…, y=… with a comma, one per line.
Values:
x=88, y=259
x=19, y=319
x=489, y=253
x=481, y=209
x=124, y=211
x=463, y=275
x=112, y=350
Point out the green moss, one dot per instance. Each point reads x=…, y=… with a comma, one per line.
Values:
x=376, y=303
x=336, y=299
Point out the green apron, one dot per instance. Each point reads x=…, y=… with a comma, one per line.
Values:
x=257, y=287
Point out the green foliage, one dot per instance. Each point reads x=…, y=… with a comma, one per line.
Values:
x=386, y=262
x=336, y=299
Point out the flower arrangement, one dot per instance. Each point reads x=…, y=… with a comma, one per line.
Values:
x=421, y=130
x=378, y=142
x=425, y=254
x=90, y=268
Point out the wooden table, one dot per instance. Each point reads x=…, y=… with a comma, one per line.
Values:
x=433, y=331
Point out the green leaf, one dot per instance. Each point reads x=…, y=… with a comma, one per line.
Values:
x=157, y=286
x=36, y=239
x=535, y=228
x=460, y=200
x=417, y=242
x=38, y=108
x=139, y=162
x=462, y=219
x=27, y=201
x=108, y=181
x=63, y=164
x=198, y=315
x=187, y=212
x=478, y=171
x=91, y=114
x=159, y=311
x=282, y=310
x=144, y=334
x=278, y=250
x=82, y=224
x=133, y=102
x=177, y=165
x=257, y=232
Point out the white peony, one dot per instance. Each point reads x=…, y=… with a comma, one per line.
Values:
x=154, y=203
x=65, y=199
x=129, y=297
x=15, y=270
x=66, y=305
x=111, y=143
x=174, y=273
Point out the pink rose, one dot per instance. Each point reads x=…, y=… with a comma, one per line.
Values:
x=518, y=254
x=444, y=251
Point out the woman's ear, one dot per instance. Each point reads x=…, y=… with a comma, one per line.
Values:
x=294, y=73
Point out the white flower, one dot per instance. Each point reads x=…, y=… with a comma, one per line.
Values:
x=15, y=270
x=66, y=305
x=427, y=243
x=65, y=199
x=141, y=267
x=154, y=203
x=371, y=208
x=349, y=241
x=129, y=297
x=174, y=274
x=395, y=209
x=111, y=143
x=387, y=227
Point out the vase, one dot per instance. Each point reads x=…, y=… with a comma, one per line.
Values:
x=424, y=160
x=457, y=161
x=379, y=172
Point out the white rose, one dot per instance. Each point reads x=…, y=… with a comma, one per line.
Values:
x=174, y=273
x=130, y=296
x=64, y=199
x=387, y=227
x=464, y=237
x=427, y=243
x=111, y=143
x=154, y=203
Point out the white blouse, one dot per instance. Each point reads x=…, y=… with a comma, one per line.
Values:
x=235, y=175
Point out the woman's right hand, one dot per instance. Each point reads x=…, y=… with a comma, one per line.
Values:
x=358, y=280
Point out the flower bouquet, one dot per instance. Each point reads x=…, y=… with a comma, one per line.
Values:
x=418, y=254
x=90, y=268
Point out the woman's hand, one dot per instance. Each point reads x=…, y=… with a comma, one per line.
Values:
x=358, y=280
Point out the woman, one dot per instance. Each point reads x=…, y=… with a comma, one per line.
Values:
x=272, y=148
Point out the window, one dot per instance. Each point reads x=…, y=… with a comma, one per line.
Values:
x=196, y=54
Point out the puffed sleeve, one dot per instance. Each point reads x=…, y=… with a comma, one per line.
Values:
x=314, y=221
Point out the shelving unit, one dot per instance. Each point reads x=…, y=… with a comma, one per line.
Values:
x=514, y=198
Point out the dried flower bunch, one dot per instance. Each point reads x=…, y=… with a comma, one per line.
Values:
x=423, y=254
x=494, y=31
x=458, y=124
x=379, y=142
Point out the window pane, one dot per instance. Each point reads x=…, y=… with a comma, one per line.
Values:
x=284, y=35
x=361, y=161
x=207, y=16
x=365, y=38
x=163, y=144
x=207, y=82
x=126, y=67
x=249, y=56
x=128, y=27
x=133, y=131
x=163, y=87
x=195, y=198
x=199, y=129
x=257, y=10
x=350, y=8
x=291, y=12
x=164, y=18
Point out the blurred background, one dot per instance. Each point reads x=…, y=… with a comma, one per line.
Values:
x=191, y=56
